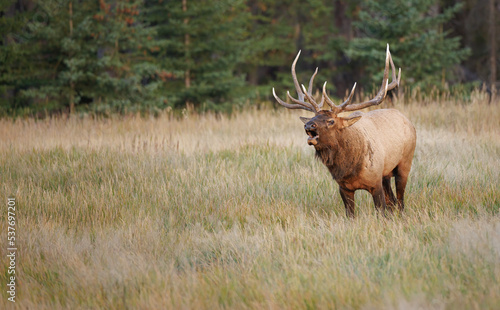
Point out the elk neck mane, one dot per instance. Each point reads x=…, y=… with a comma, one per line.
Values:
x=344, y=153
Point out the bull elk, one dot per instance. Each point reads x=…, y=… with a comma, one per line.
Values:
x=361, y=150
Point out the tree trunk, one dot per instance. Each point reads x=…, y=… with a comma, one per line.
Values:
x=187, y=73
x=342, y=21
x=72, y=84
x=493, y=49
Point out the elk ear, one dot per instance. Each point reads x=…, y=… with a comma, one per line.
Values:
x=349, y=120
x=304, y=119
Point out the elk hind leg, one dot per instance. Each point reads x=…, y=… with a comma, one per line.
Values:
x=401, y=175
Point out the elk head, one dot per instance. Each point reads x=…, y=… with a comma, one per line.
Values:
x=327, y=123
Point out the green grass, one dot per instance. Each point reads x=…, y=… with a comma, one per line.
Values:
x=207, y=213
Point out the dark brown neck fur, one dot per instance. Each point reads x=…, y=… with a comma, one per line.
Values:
x=343, y=153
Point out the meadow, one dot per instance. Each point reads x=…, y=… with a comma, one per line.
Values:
x=211, y=212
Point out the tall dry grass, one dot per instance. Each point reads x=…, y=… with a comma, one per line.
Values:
x=213, y=212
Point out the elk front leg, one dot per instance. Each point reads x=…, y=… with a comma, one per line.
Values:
x=348, y=199
x=390, y=199
x=379, y=198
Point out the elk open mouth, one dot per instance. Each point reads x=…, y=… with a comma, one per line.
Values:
x=313, y=137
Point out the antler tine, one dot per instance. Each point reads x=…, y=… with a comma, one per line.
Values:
x=383, y=88
x=395, y=81
x=311, y=81
x=348, y=100
x=293, y=106
x=385, y=80
x=310, y=88
x=302, y=103
x=300, y=94
x=310, y=98
x=322, y=102
x=324, y=97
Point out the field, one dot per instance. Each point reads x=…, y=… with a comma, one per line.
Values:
x=210, y=212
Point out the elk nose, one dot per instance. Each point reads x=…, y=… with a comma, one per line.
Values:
x=310, y=126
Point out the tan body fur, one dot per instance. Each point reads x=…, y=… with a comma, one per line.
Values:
x=390, y=141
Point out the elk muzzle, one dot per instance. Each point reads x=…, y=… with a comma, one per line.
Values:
x=310, y=128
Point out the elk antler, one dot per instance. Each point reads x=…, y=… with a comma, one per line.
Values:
x=312, y=106
x=348, y=106
x=301, y=93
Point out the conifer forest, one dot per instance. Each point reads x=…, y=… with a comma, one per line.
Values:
x=106, y=56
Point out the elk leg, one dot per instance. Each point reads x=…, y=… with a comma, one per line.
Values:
x=348, y=199
x=379, y=198
x=390, y=199
x=401, y=178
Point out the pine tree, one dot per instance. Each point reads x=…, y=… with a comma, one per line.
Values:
x=84, y=55
x=281, y=28
x=272, y=43
x=200, y=42
x=320, y=41
x=14, y=32
x=122, y=64
x=414, y=31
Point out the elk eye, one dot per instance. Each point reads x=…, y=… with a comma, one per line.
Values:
x=331, y=122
